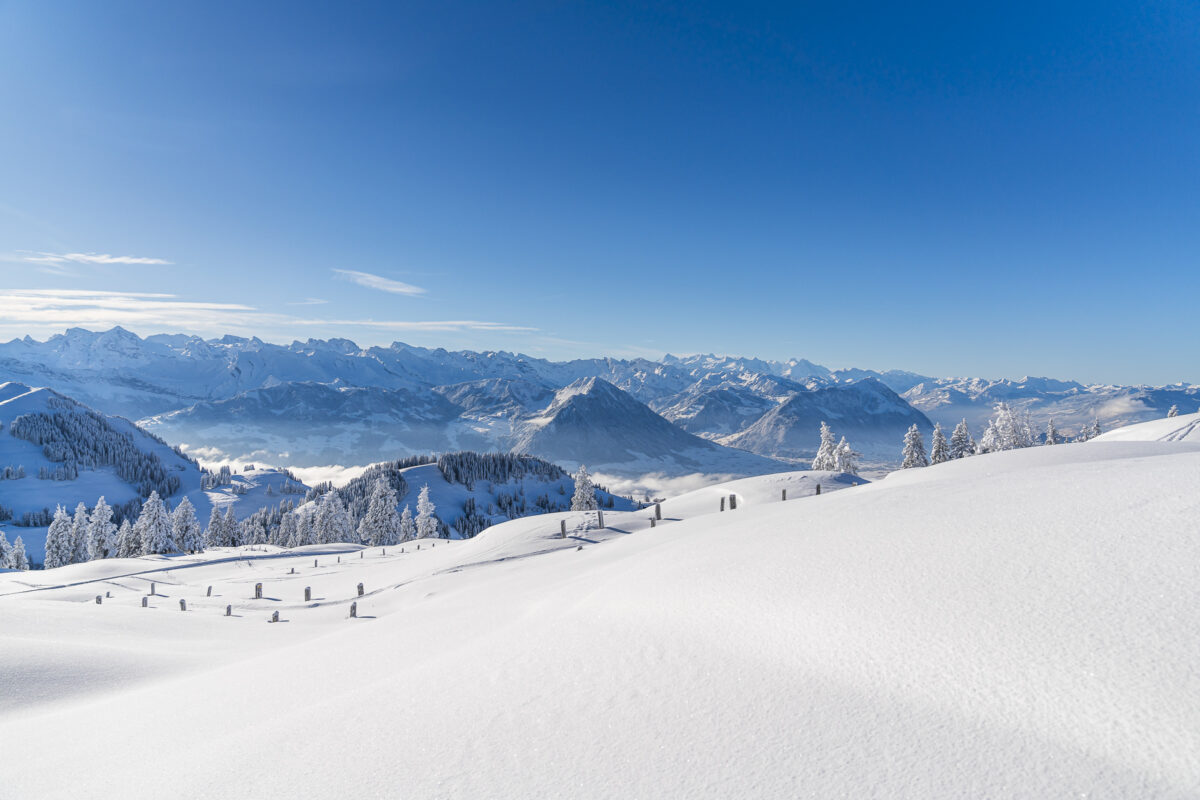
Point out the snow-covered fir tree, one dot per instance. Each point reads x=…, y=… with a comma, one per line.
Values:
x=185, y=528
x=584, y=498
x=102, y=533
x=1173, y=411
x=1096, y=431
x=17, y=557
x=285, y=534
x=381, y=525
x=230, y=529
x=961, y=444
x=845, y=458
x=1008, y=430
x=154, y=527
x=1052, y=435
x=129, y=544
x=214, y=534
x=5, y=552
x=914, y=449
x=408, y=529
x=304, y=530
x=427, y=524
x=59, y=546
x=80, y=526
x=333, y=524
x=939, y=450
x=826, y=458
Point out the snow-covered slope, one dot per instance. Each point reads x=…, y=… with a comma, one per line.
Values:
x=973, y=629
x=1184, y=428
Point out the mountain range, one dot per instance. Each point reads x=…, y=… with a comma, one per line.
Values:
x=321, y=402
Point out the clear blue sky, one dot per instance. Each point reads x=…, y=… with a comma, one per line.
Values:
x=954, y=188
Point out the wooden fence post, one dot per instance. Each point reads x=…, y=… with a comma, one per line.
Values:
x=818, y=488
x=182, y=604
x=145, y=602
x=784, y=495
x=733, y=502
x=98, y=599
x=658, y=510
x=652, y=521
x=562, y=529
x=600, y=518
x=152, y=587
x=307, y=593
x=274, y=616
x=209, y=592
x=353, y=610
x=722, y=502
x=258, y=591
x=360, y=590
x=229, y=611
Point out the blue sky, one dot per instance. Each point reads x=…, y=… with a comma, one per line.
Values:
x=994, y=190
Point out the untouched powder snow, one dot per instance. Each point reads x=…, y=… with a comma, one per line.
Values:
x=1021, y=624
x=1183, y=428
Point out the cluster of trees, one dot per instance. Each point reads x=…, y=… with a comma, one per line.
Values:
x=12, y=556
x=11, y=473
x=839, y=457
x=92, y=534
x=1010, y=429
x=75, y=438
x=468, y=467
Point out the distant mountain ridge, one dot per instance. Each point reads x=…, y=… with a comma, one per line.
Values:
x=332, y=401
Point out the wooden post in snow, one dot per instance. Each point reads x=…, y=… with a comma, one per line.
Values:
x=145, y=602
x=307, y=593
x=99, y=599
x=314, y=562
x=229, y=611
x=600, y=518
x=733, y=502
x=360, y=590
x=258, y=591
x=658, y=510
x=152, y=587
x=182, y=604
x=209, y=592
x=784, y=494
x=722, y=502
x=652, y=520
x=353, y=610
x=562, y=529
x=274, y=616
x=818, y=488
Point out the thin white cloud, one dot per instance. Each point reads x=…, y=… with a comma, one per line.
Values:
x=378, y=282
x=310, y=301
x=89, y=258
x=24, y=311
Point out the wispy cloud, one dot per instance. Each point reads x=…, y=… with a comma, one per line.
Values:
x=40, y=310
x=378, y=282
x=310, y=301
x=89, y=258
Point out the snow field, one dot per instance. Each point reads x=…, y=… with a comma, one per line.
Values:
x=1021, y=624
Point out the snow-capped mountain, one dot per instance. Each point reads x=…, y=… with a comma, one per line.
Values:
x=595, y=423
x=867, y=413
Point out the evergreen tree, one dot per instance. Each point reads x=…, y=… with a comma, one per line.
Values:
x=102, y=533
x=585, y=493
x=285, y=534
x=153, y=527
x=185, y=528
x=1095, y=429
x=79, y=535
x=59, y=547
x=427, y=524
x=961, y=445
x=1008, y=430
x=304, y=530
x=231, y=531
x=381, y=525
x=214, y=534
x=1052, y=436
x=1174, y=411
x=826, y=458
x=914, y=449
x=408, y=529
x=333, y=522
x=5, y=552
x=17, y=558
x=845, y=458
x=129, y=544
x=940, y=449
